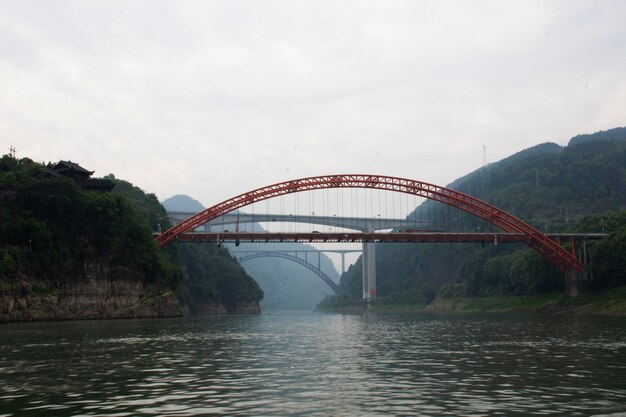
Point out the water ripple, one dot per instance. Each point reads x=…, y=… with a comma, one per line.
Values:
x=316, y=365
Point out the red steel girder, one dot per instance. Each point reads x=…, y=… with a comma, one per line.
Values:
x=354, y=237
x=559, y=257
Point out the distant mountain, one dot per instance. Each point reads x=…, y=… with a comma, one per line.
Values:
x=549, y=186
x=547, y=148
x=181, y=202
x=618, y=133
x=286, y=285
x=212, y=281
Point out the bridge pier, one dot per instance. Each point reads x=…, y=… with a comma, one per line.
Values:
x=368, y=263
x=575, y=282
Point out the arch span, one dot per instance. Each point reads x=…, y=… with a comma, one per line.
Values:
x=293, y=258
x=551, y=250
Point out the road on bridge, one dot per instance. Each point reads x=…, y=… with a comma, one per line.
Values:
x=420, y=237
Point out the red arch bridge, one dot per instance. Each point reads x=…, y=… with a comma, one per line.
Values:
x=514, y=229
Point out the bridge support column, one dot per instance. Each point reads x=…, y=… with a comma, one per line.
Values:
x=575, y=282
x=368, y=263
x=364, y=270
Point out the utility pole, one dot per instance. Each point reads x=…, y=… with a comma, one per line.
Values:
x=485, y=163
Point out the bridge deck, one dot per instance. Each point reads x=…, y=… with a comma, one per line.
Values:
x=430, y=237
x=354, y=223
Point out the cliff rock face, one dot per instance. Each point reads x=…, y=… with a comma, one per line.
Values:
x=102, y=293
x=208, y=309
x=252, y=307
x=25, y=299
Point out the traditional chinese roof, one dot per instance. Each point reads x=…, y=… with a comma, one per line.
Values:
x=80, y=175
x=51, y=174
x=70, y=168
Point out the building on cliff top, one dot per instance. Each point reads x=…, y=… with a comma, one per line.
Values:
x=80, y=175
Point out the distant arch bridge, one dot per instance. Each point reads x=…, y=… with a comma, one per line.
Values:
x=248, y=256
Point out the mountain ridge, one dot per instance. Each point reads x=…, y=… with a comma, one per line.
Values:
x=286, y=285
x=551, y=187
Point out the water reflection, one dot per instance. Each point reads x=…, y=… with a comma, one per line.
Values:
x=316, y=365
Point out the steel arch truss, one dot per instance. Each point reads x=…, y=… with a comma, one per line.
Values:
x=293, y=258
x=551, y=250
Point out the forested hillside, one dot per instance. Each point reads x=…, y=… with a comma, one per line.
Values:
x=551, y=187
x=72, y=248
x=286, y=285
x=212, y=279
x=67, y=252
x=181, y=202
x=65, y=228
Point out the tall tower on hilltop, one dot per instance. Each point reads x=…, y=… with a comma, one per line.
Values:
x=485, y=163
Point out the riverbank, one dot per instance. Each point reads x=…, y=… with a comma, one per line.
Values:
x=609, y=302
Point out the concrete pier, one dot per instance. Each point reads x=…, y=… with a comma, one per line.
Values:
x=575, y=283
x=369, y=271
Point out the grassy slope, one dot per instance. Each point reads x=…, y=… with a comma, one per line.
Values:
x=611, y=302
x=602, y=302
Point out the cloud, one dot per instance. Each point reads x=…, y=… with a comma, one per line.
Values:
x=214, y=98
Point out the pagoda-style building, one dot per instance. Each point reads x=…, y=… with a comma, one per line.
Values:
x=80, y=175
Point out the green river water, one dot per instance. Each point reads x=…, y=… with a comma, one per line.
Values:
x=305, y=364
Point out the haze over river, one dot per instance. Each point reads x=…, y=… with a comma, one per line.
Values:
x=316, y=365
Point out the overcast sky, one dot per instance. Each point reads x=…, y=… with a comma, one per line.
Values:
x=214, y=98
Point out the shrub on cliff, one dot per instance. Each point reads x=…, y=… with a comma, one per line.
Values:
x=51, y=228
x=211, y=276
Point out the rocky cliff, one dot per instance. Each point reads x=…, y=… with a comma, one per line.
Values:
x=218, y=309
x=69, y=252
x=96, y=296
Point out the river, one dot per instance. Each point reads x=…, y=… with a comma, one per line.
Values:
x=309, y=364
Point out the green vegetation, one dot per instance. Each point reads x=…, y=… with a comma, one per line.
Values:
x=454, y=299
x=600, y=302
x=419, y=296
x=288, y=285
x=285, y=284
x=413, y=300
x=607, y=257
x=53, y=231
x=50, y=228
x=581, y=187
x=340, y=302
x=184, y=203
x=212, y=276
x=147, y=204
